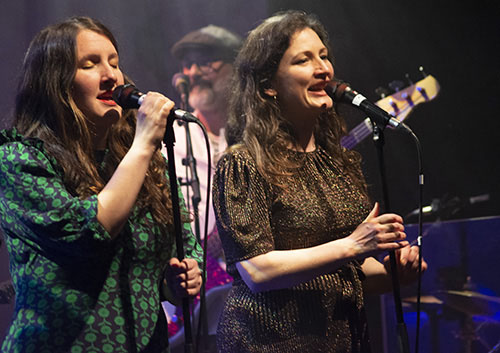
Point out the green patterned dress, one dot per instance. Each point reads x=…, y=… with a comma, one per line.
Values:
x=77, y=290
x=319, y=204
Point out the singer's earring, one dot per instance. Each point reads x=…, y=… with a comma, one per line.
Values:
x=271, y=92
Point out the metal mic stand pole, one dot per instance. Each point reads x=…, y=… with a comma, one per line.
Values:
x=190, y=162
x=169, y=140
x=403, y=342
x=194, y=183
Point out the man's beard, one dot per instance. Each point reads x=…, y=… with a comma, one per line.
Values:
x=208, y=96
x=202, y=96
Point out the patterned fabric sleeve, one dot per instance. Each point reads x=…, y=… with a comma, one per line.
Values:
x=242, y=207
x=37, y=208
x=192, y=249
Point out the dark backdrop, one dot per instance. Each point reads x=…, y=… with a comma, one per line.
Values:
x=375, y=42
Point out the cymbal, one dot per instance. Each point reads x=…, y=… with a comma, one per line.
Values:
x=424, y=299
x=428, y=302
x=470, y=302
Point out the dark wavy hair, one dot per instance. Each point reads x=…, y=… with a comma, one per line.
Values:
x=255, y=121
x=45, y=109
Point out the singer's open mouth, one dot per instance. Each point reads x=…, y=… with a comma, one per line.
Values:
x=107, y=98
x=318, y=87
x=317, y=91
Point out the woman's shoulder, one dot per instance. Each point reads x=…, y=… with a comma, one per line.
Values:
x=237, y=154
x=238, y=162
x=11, y=137
x=16, y=148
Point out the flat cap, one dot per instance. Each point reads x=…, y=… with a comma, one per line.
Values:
x=219, y=42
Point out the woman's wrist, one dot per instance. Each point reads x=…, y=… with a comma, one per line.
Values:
x=350, y=248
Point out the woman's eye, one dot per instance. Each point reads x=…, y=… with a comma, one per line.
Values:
x=87, y=64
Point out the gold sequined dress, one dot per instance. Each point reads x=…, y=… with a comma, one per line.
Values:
x=325, y=314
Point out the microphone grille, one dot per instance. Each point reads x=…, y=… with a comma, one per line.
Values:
x=335, y=88
x=117, y=92
x=178, y=79
x=122, y=95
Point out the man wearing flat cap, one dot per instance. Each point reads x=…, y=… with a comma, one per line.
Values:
x=206, y=56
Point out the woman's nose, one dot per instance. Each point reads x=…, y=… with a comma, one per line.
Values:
x=109, y=74
x=324, y=69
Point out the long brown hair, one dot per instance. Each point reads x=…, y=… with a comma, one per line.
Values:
x=45, y=109
x=255, y=119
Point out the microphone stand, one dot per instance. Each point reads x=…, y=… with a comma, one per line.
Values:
x=194, y=183
x=190, y=162
x=403, y=342
x=169, y=140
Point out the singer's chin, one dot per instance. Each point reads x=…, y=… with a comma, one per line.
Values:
x=327, y=104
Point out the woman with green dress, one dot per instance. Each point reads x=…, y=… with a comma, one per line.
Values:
x=85, y=203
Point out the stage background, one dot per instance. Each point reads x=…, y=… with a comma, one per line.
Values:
x=374, y=43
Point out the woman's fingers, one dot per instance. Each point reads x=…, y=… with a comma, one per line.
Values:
x=388, y=218
x=187, y=276
x=410, y=257
x=391, y=228
x=392, y=245
x=379, y=233
x=392, y=237
x=152, y=118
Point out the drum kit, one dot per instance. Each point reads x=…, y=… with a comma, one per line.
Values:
x=476, y=312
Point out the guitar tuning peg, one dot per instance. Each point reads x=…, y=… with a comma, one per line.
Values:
x=423, y=92
x=408, y=79
x=394, y=106
x=421, y=69
x=396, y=85
x=408, y=98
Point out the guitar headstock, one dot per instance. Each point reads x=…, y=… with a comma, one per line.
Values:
x=401, y=103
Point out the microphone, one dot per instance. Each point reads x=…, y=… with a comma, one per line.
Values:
x=449, y=206
x=129, y=97
x=181, y=83
x=341, y=92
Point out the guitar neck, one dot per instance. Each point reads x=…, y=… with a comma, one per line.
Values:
x=399, y=105
x=358, y=134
